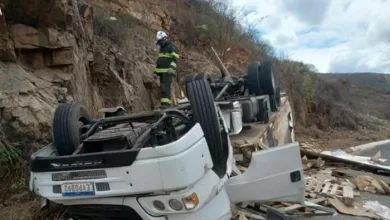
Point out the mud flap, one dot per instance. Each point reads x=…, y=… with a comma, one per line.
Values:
x=275, y=174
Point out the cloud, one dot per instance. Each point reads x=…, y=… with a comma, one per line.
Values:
x=333, y=35
x=309, y=11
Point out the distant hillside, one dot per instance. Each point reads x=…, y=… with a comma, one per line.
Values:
x=370, y=80
x=369, y=92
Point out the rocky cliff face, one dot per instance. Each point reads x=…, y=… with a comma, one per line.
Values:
x=47, y=52
x=45, y=62
x=55, y=51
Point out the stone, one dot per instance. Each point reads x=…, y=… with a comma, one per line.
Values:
x=53, y=75
x=52, y=36
x=27, y=104
x=7, y=50
x=63, y=57
x=26, y=37
x=33, y=59
x=49, y=13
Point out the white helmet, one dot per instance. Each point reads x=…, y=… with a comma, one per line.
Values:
x=161, y=35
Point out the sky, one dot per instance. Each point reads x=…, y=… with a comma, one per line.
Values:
x=333, y=35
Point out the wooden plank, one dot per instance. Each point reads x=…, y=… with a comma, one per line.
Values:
x=319, y=187
x=311, y=185
x=347, y=192
x=334, y=189
x=292, y=207
x=297, y=206
x=326, y=188
x=353, y=173
x=348, y=195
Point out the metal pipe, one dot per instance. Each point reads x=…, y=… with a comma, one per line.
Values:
x=222, y=91
x=224, y=70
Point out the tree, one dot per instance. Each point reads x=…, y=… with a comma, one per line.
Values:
x=225, y=29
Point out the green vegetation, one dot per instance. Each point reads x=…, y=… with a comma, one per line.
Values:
x=9, y=155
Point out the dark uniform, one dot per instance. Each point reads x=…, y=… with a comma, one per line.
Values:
x=166, y=69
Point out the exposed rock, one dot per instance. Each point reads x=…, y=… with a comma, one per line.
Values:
x=54, y=75
x=27, y=37
x=55, y=48
x=33, y=59
x=122, y=81
x=195, y=62
x=63, y=57
x=146, y=12
x=159, y=19
x=49, y=13
x=7, y=51
x=26, y=104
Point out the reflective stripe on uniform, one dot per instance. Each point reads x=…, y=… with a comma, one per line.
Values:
x=173, y=64
x=158, y=70
x=168, y=55
x=163, y=70
x=175, y=55
x=166, y=100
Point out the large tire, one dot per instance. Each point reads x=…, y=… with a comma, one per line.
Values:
x=260, y=81
x=204, y=76
x=68, y=118
x=267, y=79
x=278, y=98
x=204, y=112
x=253, y=79
x=189, y=78
x=272, y=102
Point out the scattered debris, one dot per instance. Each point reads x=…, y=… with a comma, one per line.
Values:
x=345, y=159
x=370, y=184
x=352, y=173
x=376, y=158
x=330, y=182
x=307, y=164
x=351, y=210
x=360, y=159
x=366, y=181
x=314, y=188
x=379, y=210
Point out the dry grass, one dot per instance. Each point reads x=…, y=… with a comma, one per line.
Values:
x=27, y=207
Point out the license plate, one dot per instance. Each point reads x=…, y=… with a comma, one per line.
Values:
x=78, y=189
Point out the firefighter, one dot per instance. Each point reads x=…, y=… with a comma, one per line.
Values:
x=166, y=67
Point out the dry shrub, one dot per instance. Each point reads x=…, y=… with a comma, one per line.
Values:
x=325, y=104
x=25, y=206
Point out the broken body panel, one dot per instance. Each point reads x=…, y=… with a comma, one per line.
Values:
x=274, y=174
